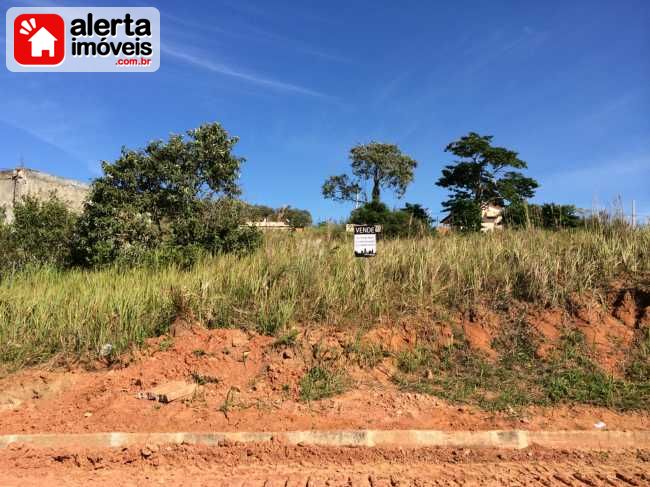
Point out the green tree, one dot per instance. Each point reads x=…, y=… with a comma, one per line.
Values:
x=41, y=231
x=395, y=223
x=259, y=212
x=297, y=218
x=154, y=196
x=481, y=173
x=465, y=215
x=418, y=212
x=384, y=165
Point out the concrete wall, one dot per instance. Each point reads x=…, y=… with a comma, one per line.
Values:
x=16, y=183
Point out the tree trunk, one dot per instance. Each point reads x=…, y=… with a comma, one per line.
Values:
x=375, y=191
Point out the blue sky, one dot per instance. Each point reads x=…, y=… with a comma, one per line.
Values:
x=566, y=84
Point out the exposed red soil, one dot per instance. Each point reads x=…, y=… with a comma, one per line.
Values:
x=276, y=464
x=609, y=327
x=256, y=388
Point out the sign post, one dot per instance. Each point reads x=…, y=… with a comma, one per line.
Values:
x=365, y=240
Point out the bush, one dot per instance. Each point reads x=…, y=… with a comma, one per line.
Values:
x=466, y=215
x=321, y=382
x=218, y=226
x=549, y=215
x=395, y=223
x=41, y=232
x=298, y=218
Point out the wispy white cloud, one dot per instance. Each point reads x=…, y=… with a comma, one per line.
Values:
x=49, y=122
x=207, y=64
x=257, y=34
x=496, y=46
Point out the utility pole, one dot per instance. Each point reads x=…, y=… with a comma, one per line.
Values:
x=633, y=214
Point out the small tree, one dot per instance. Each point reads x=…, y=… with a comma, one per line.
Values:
x=383, y=165
x=155, y=196
x=297, y=218
x=41, y=230
x=259, y=212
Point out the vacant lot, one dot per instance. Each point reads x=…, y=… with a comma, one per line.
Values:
x=501, y=321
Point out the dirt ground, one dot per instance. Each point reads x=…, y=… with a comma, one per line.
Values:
x=276, y=464
x=248, y=384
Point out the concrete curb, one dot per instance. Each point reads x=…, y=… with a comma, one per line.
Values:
x=511, y=439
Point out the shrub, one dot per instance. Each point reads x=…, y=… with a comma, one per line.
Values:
x=321, y=382
x=297, y=218
x=217, y=226
x=465, y=215
x=40, y=233
x=549, y=215
x=395, y=223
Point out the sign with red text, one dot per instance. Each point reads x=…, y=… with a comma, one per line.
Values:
x=88, y=39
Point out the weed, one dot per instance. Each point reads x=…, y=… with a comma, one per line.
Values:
x=321, y=382
x=166, y=343
x=288, y=339
x=639, y=367
x=229, y=402
x=202, y=380
x=411, y=361
x=366, y=355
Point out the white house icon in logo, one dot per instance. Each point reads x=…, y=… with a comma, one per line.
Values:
x=42, y=41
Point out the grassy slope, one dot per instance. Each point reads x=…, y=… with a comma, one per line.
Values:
x=307, y=277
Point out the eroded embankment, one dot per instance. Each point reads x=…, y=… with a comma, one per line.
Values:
x=523, y=368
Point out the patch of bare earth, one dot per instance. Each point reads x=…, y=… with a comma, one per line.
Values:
x=277, y=464
x=248, y=382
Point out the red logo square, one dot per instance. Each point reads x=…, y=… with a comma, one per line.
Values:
x=39, y=39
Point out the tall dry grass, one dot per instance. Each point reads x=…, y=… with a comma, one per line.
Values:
x=307, y=277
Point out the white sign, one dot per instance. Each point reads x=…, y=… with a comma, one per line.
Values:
x=365, y=240
x=349, y=227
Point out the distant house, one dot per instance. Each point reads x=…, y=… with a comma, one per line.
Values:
x=491, y=216
x=42, y=41
x=268, y=225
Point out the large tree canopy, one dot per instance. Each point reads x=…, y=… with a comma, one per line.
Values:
x=481, y=173
x=383, y=165
x=156, y=195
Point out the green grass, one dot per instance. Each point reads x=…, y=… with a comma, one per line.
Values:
x=321, y=382
x=365, y=355
x=519, y=378
x=288, y=339
x=305, y=278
